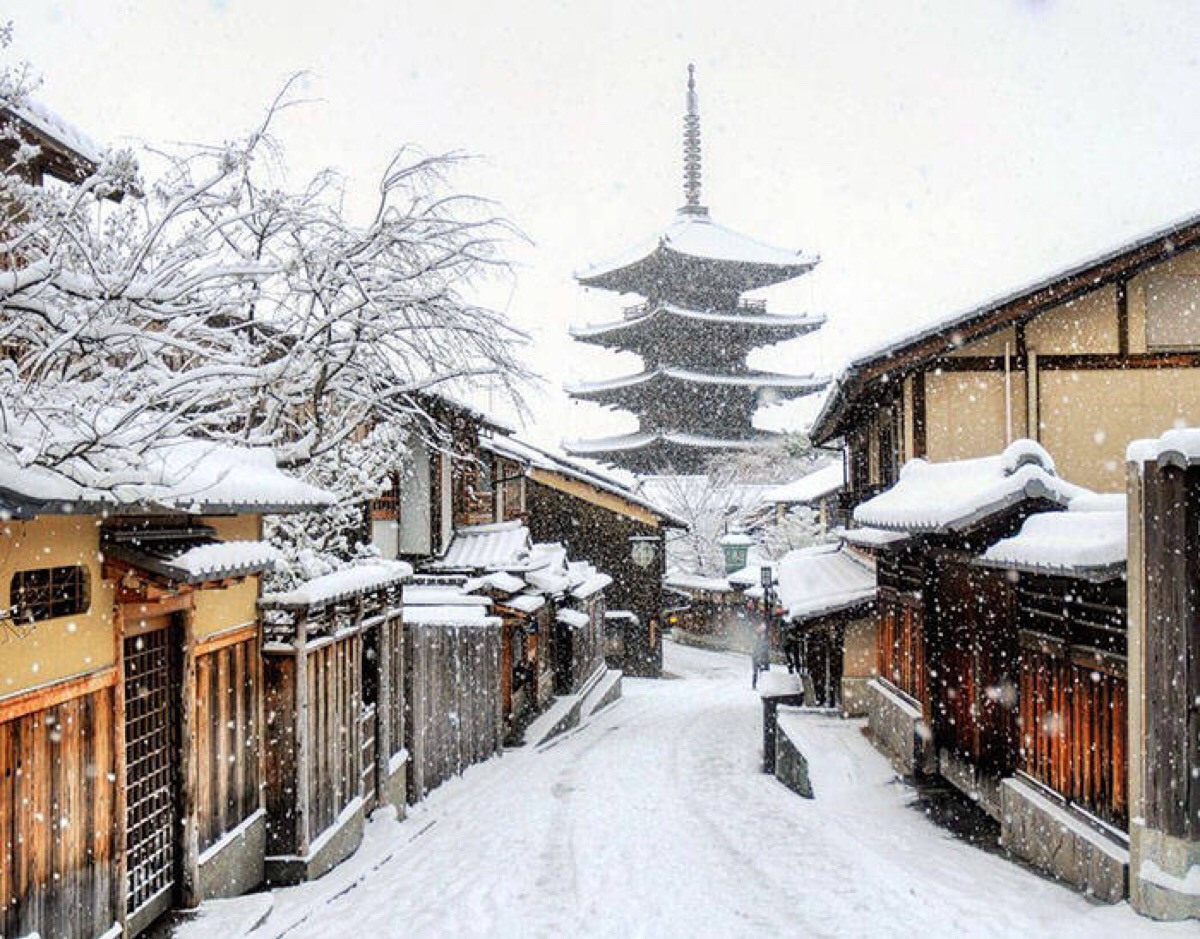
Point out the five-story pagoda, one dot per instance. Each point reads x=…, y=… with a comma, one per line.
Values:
x=696, y=395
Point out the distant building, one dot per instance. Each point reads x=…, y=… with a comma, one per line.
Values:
x=695, y=396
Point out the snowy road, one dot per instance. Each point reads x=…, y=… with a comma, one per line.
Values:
x=653, y=820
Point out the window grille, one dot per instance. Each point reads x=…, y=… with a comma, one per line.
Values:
x=48, y=592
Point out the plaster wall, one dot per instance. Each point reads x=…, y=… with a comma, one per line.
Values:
x=965, y=413
x=1084, y=326
x=65, y=646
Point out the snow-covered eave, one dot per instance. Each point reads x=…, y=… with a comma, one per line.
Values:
x=1024, y=303
x=1093, y=573
x=748, y=380
x=66, y=139
x=1179, y=448
x=796, y=325
x=831, y=605
x=1033, y=489
x=614, y=275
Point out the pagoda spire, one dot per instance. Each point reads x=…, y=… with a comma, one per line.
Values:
x=691, y=149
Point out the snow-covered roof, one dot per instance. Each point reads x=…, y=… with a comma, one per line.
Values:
x=181, y=475
x=786, y=324
x=221, y=558
x=56, y=128
x=810, y=487
x=443, y=595
x=496, y=580
x=640, y=439
x=1178, y=447
x=341, y=585
x=751, y=575
x=536, y=458
x=873, y=537
x=572, y=618
x=498, y=546
x=664, y=374
x=592, y=583
x=1089, y=540
x=820, y=581
x=525, y=602
x=697, y=582
x=954, y=496
x=696, y=235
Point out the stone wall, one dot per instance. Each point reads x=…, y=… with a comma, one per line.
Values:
x=899, y=731
x=1051, y=837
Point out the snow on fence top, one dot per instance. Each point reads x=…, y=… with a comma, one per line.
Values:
x=448, y=595
x=341, y=585
x=1089, y=540
x=823, y=580
x=573, y=618
x=449, y=616
x=931, y=497
x=1179, y=447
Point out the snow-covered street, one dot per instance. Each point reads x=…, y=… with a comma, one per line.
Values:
x=653, y=820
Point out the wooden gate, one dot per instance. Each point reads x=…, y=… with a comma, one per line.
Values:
x=152, y=776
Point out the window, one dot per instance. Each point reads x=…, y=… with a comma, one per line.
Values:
x=48, y=592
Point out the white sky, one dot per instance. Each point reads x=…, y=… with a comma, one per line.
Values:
x=933, y=153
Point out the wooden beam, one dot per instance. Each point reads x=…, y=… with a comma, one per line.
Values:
x=52, y=695
x=229, y=637
x=189, y=771
x=920, y=443
x=1122, y=318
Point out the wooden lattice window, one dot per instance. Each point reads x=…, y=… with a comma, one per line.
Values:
x=49, y=592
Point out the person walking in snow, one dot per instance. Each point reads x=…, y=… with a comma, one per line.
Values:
x=760, y=657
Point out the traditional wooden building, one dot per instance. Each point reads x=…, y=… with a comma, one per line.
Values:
x=827, y=593
x=1083, y=362
x=1066, y=806
x=1164, y=675
x=945, y=639
x=131, y=690
x=607, y=523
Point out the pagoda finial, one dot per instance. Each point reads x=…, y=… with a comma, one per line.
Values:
x=691, y=148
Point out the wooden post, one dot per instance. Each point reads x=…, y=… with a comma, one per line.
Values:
x=384, y=703
x=303, y=746
x=189, y=885
x=120, y=881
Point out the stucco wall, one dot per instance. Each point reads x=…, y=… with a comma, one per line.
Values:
x=1164, y=305
x=1086, y=325
x=66, y=646
x=859, y=649
x=965, y=413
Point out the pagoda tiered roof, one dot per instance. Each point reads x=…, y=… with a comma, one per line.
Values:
x=693, y=249
x=667, y=380
x=649, y=323
x=654, y=451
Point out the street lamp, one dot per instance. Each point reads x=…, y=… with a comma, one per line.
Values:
x=736, y=547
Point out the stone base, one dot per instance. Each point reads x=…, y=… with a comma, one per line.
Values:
x=236, y=863
x=1048, y=835
x=791, y=767
x=1165, y=875
x=394, y=790
x=964, y=776
x=899, y=731
x=329, y=849
x=855, y=697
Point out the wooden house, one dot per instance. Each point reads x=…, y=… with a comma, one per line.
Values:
x=1066, y=807
x=820, y=491
x=63, y=151
x=1083, y=362
x=1164, y=675
x=603, y=521
x=131, y=693
x=944, y=636
x=828, y=594
x=334, y=676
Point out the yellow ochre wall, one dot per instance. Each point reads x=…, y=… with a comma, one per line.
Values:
x=965, y=414
x=66, y=646
x=859, y=649
x=1086, y=325
x=219, y=610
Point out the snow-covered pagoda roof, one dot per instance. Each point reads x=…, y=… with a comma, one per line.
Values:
x=754, y=322
x=694, y=246
x=922, y=346
x=821, y=581
x=653, y=450
x=1089, y=540
x=657, y=379
x=810, y=487
x=955, y=496
x=180, y=475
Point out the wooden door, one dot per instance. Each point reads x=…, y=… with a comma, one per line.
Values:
x=151, y=675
